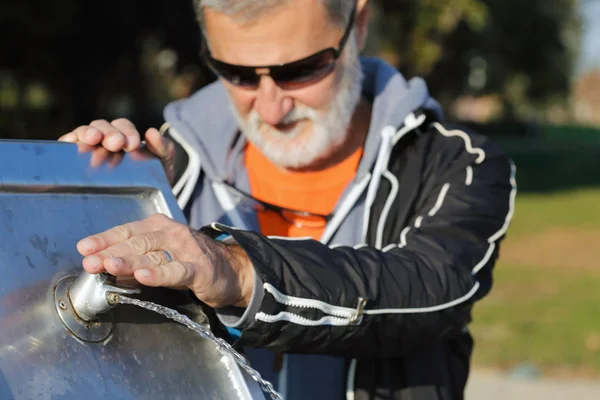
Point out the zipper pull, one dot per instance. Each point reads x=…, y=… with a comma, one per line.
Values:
x=356, y=318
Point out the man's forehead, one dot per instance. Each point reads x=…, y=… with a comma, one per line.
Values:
x=281, y=34
x=259, y=12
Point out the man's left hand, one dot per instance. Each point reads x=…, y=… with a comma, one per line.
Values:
x=219, y=274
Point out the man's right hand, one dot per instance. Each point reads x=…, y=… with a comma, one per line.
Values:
x=121, y=135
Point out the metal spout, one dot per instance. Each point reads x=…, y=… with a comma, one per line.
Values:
x=92, y=295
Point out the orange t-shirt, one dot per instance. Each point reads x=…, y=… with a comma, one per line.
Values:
x=316, y=192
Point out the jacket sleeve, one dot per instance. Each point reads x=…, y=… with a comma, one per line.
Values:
x=368, y=302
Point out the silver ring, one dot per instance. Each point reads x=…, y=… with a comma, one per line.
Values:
x=168, y=255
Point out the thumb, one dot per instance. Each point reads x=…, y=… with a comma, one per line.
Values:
x=164, y=149
x=159, y=145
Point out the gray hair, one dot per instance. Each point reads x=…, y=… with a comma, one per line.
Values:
x=249, y=10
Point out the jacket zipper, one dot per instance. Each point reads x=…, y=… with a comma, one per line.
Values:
x=352, y=316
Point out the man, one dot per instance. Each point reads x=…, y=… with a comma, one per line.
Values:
x=354, y=231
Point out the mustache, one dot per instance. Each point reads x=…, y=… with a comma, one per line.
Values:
x=298, y=113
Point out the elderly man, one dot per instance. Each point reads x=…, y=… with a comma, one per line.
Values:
x=340, y=231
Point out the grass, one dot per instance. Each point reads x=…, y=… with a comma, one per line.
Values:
x=540, y=311
x=535, y=213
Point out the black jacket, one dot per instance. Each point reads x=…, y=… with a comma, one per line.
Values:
x=396, y=307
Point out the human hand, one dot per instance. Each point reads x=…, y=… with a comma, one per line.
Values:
x=219, y=274
x=121, y=135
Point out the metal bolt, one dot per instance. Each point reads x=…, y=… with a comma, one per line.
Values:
x=62, y=305
x=112, y=298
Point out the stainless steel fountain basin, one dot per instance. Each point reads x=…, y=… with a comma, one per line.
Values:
x=52, y=195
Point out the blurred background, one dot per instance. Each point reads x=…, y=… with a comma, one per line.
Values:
x=524, y=72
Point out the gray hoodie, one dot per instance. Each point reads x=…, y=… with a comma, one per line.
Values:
x=204, y=124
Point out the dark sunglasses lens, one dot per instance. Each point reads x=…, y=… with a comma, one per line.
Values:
x=304, y=72
x=236, y=75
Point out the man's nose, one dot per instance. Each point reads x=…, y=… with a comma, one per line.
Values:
x=271, y=102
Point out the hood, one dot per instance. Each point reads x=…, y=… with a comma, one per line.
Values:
x=205, y=120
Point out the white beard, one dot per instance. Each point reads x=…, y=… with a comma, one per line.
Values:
x=293, y=150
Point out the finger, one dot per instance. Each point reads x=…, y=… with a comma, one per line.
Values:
x=136, y=246
x=99, y=156
x=172, y=275
x=158, y=144
x=114, y=140
x=115, y=159
x=85, y=148
x=70, y=137
x=88, y=135
x=111, y=237
x=132, y=136
x=126, y=266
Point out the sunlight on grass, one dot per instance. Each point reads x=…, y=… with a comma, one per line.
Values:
x=548, y=318
x=541, y=314
x=573, y=209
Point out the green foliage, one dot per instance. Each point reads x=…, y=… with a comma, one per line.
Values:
x=521, y=50
x=67, y=62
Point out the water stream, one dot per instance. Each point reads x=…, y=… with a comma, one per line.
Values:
x=204, y=332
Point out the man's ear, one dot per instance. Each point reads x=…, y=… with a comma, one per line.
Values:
x=362, y=22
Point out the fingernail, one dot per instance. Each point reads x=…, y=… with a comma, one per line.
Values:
x=70, y=137
x=114, y=140
x=144, y=273
x=86, y=245
x=93, y=262
x=132, y=145
x=91, y=132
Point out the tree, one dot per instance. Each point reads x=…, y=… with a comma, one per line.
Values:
x=69, y=61
x=66, y=62
x=524, y=51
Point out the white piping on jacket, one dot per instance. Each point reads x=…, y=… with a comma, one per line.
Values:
x=411, y=122
x=389, y=138
x=380, y=166
x=468, y=145
x=386, y=209
x=491, y=240
x=418, y=222
x=184, y=188
x=345, y=208
x=469, y=178
x=513, y=196
x=356, y=247
x=440, y=200
x=351, y=379
x=342, y=316
x=345, y=312
x=228, y=205
x=339, y=314
x=403, y=237
x=485, y=258
x=439, y=307
x=291, y=239
x=389, y=247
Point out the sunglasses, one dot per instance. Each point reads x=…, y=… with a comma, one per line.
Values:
x=288, y=76
x=300, y=219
